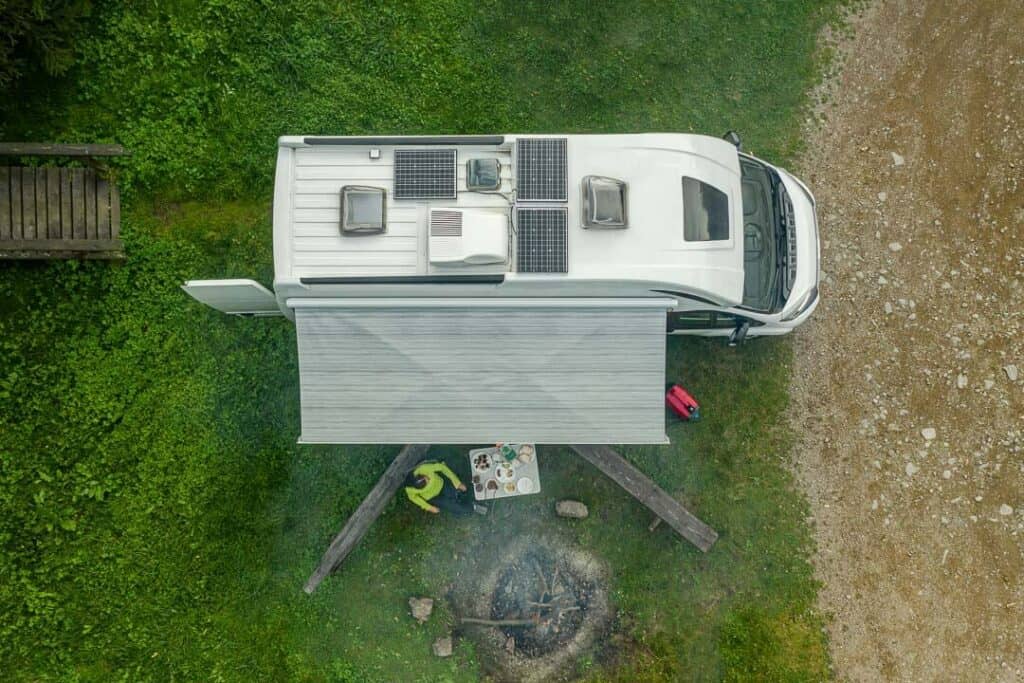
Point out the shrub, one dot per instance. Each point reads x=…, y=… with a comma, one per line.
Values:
x=38, y=33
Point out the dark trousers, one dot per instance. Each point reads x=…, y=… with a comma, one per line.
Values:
x=453, y=500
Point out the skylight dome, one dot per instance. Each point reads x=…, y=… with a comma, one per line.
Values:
x=604, y=202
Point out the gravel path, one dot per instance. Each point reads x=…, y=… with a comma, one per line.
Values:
x=909, y=385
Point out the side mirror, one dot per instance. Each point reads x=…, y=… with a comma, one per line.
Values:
x=734, y=137
x=739, y=333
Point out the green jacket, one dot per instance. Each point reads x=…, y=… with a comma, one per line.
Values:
x=432, y=471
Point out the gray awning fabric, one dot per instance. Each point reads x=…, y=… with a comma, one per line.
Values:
x=551, y=371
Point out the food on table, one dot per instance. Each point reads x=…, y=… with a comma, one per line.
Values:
x=505, y=473
x=510, y=488
x=525, y=454
x=478, y=487
x=492, y=485
x=482, y=462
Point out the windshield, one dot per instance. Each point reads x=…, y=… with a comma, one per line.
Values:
x=760, y=238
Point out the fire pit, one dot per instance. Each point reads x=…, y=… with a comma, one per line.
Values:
x=539, y=609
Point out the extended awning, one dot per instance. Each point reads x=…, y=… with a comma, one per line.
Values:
x=567, y=371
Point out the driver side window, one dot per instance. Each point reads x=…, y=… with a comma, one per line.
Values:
x=706, y=320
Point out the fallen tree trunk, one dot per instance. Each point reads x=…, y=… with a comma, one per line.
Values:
x=367, y=512
x=650, y=494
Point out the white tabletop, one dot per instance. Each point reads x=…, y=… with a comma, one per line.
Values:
x=517, y=477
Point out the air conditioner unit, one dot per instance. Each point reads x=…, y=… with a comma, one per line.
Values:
x=468, y=237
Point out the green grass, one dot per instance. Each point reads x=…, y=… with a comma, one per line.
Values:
x=157, y=519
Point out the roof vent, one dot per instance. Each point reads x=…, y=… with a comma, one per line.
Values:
x=483, y=174
x=362, y=210
x=468, y=237
x=604, y=202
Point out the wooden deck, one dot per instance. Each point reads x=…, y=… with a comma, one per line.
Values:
x=59, y=212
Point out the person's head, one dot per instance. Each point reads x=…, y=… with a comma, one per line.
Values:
x=416, y=481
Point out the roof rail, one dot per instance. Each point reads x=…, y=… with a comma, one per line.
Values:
x=407, y=140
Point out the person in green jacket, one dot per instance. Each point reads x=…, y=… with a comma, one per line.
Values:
x=434, y=487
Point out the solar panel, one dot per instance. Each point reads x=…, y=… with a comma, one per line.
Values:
x=424, y=174
x=541, y=240
x=540, y=170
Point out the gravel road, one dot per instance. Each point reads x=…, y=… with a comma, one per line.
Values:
x=909, y=382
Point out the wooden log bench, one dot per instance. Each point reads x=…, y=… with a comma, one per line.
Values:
x=613, y=465
x=640, y=486
x=59, y=212
x=367, y=513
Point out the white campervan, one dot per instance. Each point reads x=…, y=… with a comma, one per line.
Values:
x=521, y=266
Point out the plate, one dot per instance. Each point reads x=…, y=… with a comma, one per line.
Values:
x=505, y=473
x=524, y=485
x=510, y=487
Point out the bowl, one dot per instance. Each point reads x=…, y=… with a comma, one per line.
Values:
x=524, y=485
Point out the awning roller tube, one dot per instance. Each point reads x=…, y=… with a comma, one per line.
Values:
x=482, y=302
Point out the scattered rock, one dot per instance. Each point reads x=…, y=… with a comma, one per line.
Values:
x=897, y=160
x=888, y=308
x=989, y=383
x=961, y=381
x=510, y=645
x=1005, y=510
x=882, y=196
x=421, y=608
x=571, y=508
x=946, y=474
x=1011, y=372
x=911, y=469
x=928, y=433
x=895, y=246
x=443, y=647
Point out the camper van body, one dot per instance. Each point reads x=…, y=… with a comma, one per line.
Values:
x=578, y=251
x=650, y=255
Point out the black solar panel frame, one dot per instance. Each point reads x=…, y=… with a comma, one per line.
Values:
x=541, y=170
x=425, y=173
x=542, y=239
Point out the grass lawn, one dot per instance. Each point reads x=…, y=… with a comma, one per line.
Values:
x=157, y=519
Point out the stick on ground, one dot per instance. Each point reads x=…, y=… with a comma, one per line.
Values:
x=498, y=622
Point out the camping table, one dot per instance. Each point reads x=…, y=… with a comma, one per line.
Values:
x=523, y=470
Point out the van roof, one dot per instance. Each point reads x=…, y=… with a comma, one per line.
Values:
x=651, y=251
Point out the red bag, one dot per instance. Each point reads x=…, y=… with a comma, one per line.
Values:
x=682, y=404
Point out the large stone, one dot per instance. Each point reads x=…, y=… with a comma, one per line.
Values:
x=443, y=647
x=571, y=508
x=421, y=608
